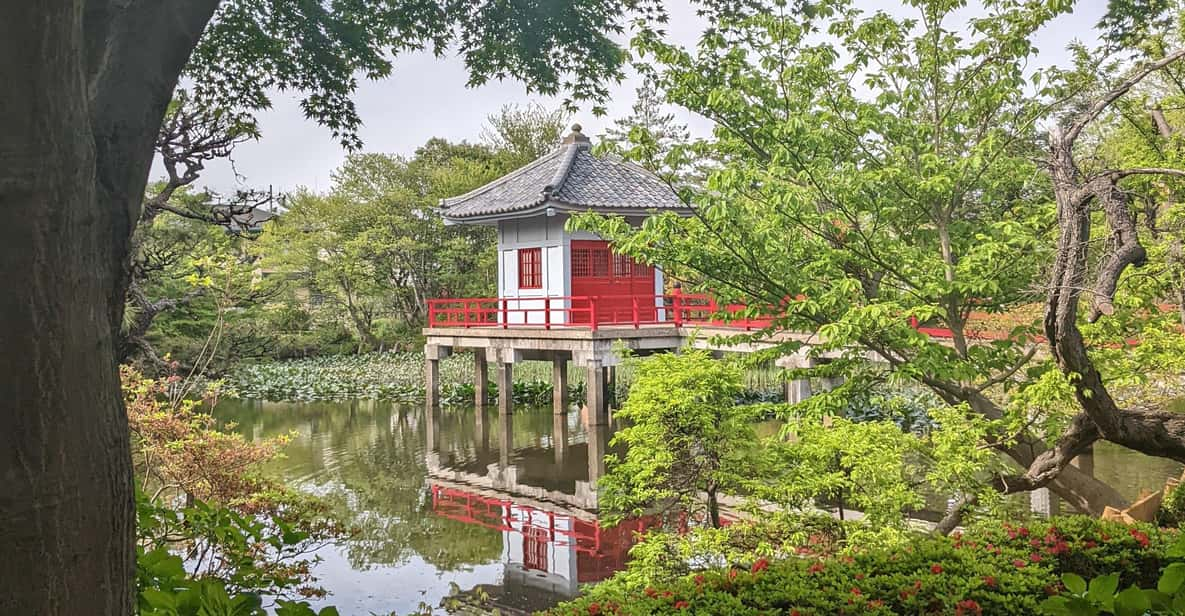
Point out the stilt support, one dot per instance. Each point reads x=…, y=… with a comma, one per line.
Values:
x=594, y=385
x=505, y=388
x=559, y=386
x=481, y=380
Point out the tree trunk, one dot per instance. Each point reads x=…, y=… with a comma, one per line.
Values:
x=85, y=87
x=713, y=508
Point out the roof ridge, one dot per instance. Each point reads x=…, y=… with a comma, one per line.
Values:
x=561, y=172
x=450, y=201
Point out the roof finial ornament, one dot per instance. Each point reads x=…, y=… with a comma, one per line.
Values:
x=576, y=137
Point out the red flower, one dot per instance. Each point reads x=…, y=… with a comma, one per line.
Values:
x=594, y=608
x=1035, y=557
x=650, y=592
x=682, y=605
x=699, y=579
x=666, y=594
x=966, y=607
x=815, y=568
x=1019, y=564
x=761, y=565
x=795, y=613
x=876, y=603
x=936, y=569
x=1024, y=532
x=1089, y=544
x=856, y=591
x=1140, y=537
x=859, y=576
x=989, y=581
x=732, y=574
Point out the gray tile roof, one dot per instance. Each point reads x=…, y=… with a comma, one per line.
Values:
x=569, y=178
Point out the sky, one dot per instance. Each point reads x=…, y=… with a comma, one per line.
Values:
x=426, y=97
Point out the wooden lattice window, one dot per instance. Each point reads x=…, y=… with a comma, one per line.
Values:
x=530, y=268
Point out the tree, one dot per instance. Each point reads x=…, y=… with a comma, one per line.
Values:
x=852, y=212
x=524, y=133
x=374, y=248
x=649, y=131
x=87, y=83
x=684, y=436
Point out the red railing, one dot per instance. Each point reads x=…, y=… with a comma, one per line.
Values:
x=676, y=309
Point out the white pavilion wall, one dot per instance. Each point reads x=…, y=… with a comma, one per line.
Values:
x=546, y=233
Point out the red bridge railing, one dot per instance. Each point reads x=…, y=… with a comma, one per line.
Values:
x=588, y=311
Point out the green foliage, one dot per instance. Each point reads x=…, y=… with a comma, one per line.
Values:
x=1102, y=595
x=165, y=587
x=685, y=436
x=383, y=376
x=1001, y=570
x=320, y=49
x=1172, y=510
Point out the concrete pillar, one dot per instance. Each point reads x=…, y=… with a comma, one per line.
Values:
x=559, y=438
x=505, y=387
x=432, y=427
x=482, y=429
x=481, y=380
x=505, y=439
x=1043, y=502
x=559, y=386
x=432, y=356
x=594, y=385
x=598, y=445
x=797, y=390
x=611, y=386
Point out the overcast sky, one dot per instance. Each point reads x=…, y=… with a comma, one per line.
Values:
x=426, y=97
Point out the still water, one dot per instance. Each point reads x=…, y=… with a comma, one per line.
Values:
x=463, y=502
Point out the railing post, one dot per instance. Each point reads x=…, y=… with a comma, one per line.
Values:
x=465, y=313
x=635, y=306
x=505, y=312
x=547, y=312
x=676, y=308
x=431, y=313
x=592, y=309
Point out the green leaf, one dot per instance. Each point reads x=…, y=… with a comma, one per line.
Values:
x=1056, y=606
x=1074, y=583
x=1103, y=588
x=1132, y=602
x=1171, y=578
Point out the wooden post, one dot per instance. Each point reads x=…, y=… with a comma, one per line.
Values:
x=559, y=385
x=505, y=387
x=481, y=380
x=594, y=385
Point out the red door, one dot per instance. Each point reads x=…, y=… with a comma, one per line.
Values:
x=617, y=283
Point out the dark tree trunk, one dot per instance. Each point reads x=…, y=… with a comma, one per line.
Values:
x=85, y=87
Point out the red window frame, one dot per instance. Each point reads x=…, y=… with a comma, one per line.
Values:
x=530, y=268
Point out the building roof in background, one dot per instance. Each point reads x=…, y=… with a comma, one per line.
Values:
x=569, y=178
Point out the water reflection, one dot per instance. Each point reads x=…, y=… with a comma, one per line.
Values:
x=504, y=506
x=501, y=505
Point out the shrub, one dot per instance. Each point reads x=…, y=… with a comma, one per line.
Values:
x=991, y=570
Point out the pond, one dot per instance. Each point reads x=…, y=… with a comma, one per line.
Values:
x=461, y=504
x=468, y=504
